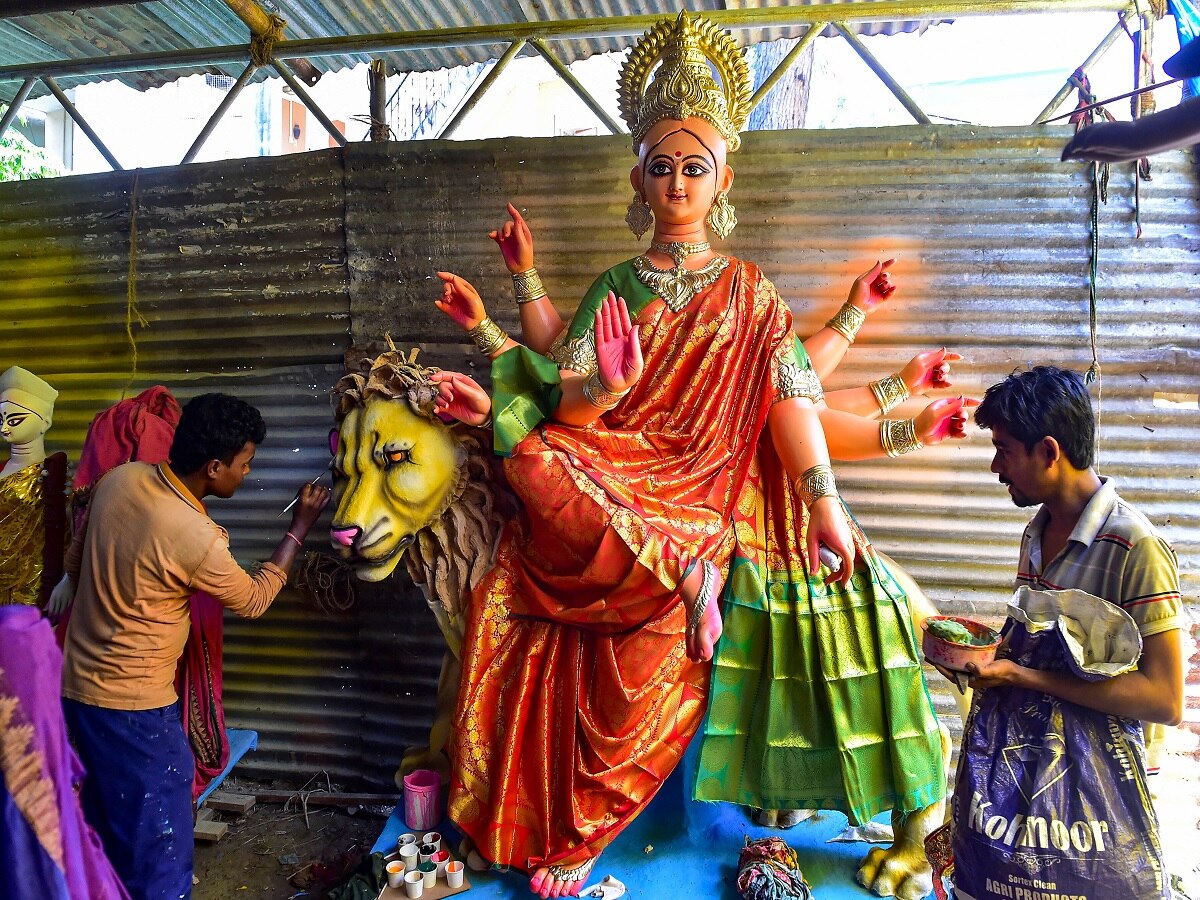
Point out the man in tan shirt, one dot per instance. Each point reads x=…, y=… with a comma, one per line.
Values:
x=146, y=546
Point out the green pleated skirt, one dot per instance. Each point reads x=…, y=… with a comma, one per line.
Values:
x=817, y=699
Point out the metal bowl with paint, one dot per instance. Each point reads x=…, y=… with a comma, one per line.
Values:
x=955, y=656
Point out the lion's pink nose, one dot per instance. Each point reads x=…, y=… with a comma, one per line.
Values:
x=345, y=536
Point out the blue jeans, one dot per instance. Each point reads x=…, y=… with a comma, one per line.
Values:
x=138, y=794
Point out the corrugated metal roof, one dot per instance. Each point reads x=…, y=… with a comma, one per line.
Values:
x=182, y=24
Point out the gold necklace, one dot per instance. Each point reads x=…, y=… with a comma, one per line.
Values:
x=678, y=286
x=680, y=250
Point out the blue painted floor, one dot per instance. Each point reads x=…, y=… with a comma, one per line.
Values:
x=679, y=848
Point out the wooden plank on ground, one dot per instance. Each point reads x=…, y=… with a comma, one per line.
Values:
x=204, y=814
x=324, y=798
x=210, y=831
x=224, y=801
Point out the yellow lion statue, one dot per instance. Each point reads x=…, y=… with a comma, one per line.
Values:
x=408, y=486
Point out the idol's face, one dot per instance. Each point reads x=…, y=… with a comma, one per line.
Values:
x=18, y=425
x=680, y=169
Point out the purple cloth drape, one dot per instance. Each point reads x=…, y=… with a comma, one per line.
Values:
x=49, y=848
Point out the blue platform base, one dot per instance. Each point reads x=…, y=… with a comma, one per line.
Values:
x=679, y=848
x=241, y=742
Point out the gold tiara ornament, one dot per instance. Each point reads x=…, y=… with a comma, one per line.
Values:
x=683, y=86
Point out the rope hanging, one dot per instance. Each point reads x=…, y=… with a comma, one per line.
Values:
x=132, y=313
x=769, y=870
x=262, y=46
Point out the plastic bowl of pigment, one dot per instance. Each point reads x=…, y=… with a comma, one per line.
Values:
x=955, y=654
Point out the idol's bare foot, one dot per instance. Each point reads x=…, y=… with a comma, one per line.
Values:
x=703, y=632
x=555, y=881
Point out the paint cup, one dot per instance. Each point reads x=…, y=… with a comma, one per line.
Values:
x=428, y=872
x=407, y=838
x=395, y=873
x=426, y=853
x=440, y=859
x=454, y=874
x=414, y=884
x=409, y=854
x=432, y=837
x=422, y=799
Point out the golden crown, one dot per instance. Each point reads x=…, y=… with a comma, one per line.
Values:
x=683, y=86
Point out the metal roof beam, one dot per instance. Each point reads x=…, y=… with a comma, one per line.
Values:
x=15, y=105
x=567, y=29
x=1069, y=84
x=784, y=64
x=65, y=101
x=488, y=80
x=574, y=84
x=219, y=113
x=888, y=81
x=294, y=83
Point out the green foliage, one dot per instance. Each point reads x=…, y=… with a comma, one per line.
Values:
x=20, y=160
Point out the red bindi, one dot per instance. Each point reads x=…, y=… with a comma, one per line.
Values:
x=678, y=153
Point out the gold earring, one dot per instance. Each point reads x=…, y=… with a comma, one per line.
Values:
x=720, y=216
x=639, y=216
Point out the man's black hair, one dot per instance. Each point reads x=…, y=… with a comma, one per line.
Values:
x=1044, y=402
x=214, y=426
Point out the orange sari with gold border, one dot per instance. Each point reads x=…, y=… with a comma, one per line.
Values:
x=577, y=698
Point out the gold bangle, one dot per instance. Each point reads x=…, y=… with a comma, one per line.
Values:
x=889, y=392
x=847, y=321
x=899, y=436
x=528, y=286
x=598, y=395
x=488, y=336
x=814, y=484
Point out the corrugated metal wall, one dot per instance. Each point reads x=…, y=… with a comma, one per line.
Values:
x=991, y=231
x=251, y=273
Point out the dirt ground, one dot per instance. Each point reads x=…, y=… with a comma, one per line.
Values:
x=274, y=854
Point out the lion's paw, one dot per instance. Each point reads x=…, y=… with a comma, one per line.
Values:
x=900, y=871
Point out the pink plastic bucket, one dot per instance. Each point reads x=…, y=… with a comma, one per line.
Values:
x=422, y=799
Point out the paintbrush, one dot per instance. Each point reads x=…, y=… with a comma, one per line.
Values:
x=296, y=499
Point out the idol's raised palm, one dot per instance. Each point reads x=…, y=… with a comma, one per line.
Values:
x=618, y=348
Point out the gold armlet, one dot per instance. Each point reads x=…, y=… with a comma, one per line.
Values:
x=814, y=484
x=528, y=286
x=899, y=436
x=889, y=392
x=598, y=395
x=488, y=336
x=847, y=321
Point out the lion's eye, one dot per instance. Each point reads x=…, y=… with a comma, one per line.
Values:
x=398, y=457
